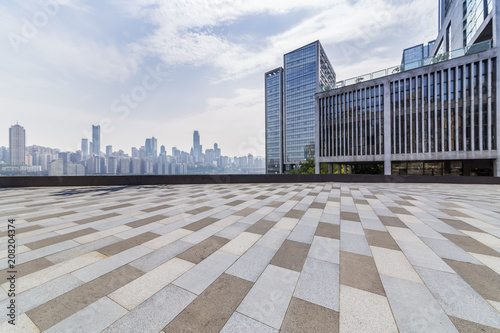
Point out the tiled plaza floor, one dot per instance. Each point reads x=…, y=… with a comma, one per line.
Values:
x=254, y=258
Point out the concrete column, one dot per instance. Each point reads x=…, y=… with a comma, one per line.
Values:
x=330, y=168
x=387, y=128
x=496, y=32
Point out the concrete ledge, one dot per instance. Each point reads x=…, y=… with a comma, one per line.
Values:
x=232, y=179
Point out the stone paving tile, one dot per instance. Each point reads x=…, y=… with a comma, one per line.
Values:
x=354, y=243
x=490, y=261
x=202, y=275
x=82, y=249
x=241, y=243
x=195, y=226
x=362, y=311
x=54, y=271
x=319, y=284
x=414, y=307
x=328, y=230
x=458, y=298
x=137, y=291
x=381, y=239
x=360, y=272
x=94, y=318
x=251, y=264
x=447, y=250
x=303, y=316
x=394, y=263
x=243, y=324
x=29, y=267
x=316, y=257
x=58, y=239
x=261, y=227
x=109, y=264
x=60, y=308
x=127, y=243
x=466, y=326
x=155, y=313
x=41, y=294
x=160, y=256
x=268, y=299
x=392, y=221
x=302, y=234
x=233, y=230
x=326, y=249
x=210, y=311
x=168, y=238
x=204, y=249
x=291, y=255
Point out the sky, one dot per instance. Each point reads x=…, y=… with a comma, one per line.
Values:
x=164, y=68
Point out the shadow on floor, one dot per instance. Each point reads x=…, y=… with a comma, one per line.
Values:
x=104, y=190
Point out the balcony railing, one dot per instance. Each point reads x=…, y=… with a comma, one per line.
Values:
x=475, y=48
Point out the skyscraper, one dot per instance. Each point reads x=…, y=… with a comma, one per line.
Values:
x=17, y=144
x=96, y=139
x=85, y=148
x=217, y=150
x=197, y=148
x=151, y=147
x=109, y=151
x=290, y=117
x=274, y=120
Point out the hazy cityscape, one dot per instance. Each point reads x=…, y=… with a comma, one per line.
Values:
x=94, y=158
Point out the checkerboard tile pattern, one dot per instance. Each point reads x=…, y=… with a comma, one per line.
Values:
x=313, y=257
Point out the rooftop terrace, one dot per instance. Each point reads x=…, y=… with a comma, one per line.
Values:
x=305, y=257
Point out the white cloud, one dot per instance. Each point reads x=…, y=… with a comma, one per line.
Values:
x=62, y=36
x=183, y=35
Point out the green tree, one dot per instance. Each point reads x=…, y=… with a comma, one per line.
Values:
x=308, y=168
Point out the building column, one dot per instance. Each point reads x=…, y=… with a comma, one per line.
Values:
x=387, y=128
x=316, y=167
x=330, y=168
x=387, y=166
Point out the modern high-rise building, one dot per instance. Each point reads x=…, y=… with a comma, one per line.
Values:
x=274, y=120
x=151, y=147
x=217, y=151
x=109, y=151
x=85, y=149
x=290, y=120
x=96, y=139
x=17, y=145
x=197, y=147
x=438, y=118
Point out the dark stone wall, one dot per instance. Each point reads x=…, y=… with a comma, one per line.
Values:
x=232, y=179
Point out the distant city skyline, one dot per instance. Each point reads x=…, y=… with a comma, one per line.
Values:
x=37, y=160
x=154, y=70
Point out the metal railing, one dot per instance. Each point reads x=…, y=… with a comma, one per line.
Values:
x=475, y=48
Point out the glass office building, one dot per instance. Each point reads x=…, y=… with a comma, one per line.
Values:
x=290, y=120
x=274, y=115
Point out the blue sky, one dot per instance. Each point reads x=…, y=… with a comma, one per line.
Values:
x=166, y=68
